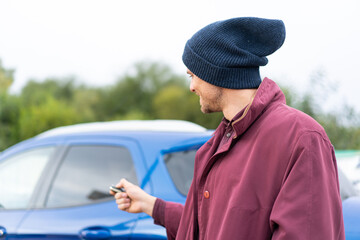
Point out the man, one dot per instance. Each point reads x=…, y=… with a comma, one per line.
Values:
x=269, y=171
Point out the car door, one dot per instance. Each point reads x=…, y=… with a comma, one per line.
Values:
x=21, y=170
x=172, y=175
x=76, y=203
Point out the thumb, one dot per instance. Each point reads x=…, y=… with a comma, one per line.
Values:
x=124, y=184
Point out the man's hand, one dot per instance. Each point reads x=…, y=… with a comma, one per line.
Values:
x=134, y=200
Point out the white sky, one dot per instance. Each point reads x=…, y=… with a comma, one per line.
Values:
x=97, y=41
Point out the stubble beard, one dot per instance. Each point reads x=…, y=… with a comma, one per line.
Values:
x=213, y=104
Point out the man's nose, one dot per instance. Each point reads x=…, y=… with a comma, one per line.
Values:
x=192, y=89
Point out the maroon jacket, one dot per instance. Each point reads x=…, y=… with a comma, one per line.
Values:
x=270, y=173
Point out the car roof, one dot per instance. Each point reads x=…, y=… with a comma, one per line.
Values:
x=165, y=133
x=170, y=126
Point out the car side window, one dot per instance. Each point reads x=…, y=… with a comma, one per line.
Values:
x=87, y=172
x=180, y=166
x=19, y=175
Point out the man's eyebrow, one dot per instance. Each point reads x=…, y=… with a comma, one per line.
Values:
x=188, y=72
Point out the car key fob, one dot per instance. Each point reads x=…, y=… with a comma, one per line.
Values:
x=116, y=190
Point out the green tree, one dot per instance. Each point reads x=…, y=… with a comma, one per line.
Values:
x=134, y=92
x=172, y=102
x=342, y=127
x=49, y=114
x=6, y=79
x=148, y=91
x=37, y=92
x=86, y=102
x=9, y=109
x=177, y=102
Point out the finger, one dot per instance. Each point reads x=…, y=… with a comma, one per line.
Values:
x=121, y=195
x=120, y=183
x=124, y=183
x=124, y=206
x=122, y=201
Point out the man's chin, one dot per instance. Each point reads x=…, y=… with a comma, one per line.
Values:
x=206, y=110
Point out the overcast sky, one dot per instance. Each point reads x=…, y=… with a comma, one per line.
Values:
x=98, y=41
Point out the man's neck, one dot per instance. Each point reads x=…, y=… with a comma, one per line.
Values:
x=234, y=100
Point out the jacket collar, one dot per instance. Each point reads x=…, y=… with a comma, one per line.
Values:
x=267, y=94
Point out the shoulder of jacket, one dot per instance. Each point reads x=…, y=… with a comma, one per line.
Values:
x=295, y=121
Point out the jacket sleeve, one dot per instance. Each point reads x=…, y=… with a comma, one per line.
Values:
x=308, y=205
x=168, y=214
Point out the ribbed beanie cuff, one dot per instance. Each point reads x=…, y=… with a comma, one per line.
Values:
x=234, y=78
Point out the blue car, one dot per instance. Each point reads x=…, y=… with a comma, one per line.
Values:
x=55, y=185
x=351, y=211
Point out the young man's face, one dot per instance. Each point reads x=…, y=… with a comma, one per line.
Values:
x=210, y=95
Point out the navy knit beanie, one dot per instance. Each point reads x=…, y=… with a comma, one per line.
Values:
x=228, y=53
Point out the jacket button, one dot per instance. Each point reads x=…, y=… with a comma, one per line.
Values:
x=206, y=194
x=228, y=135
